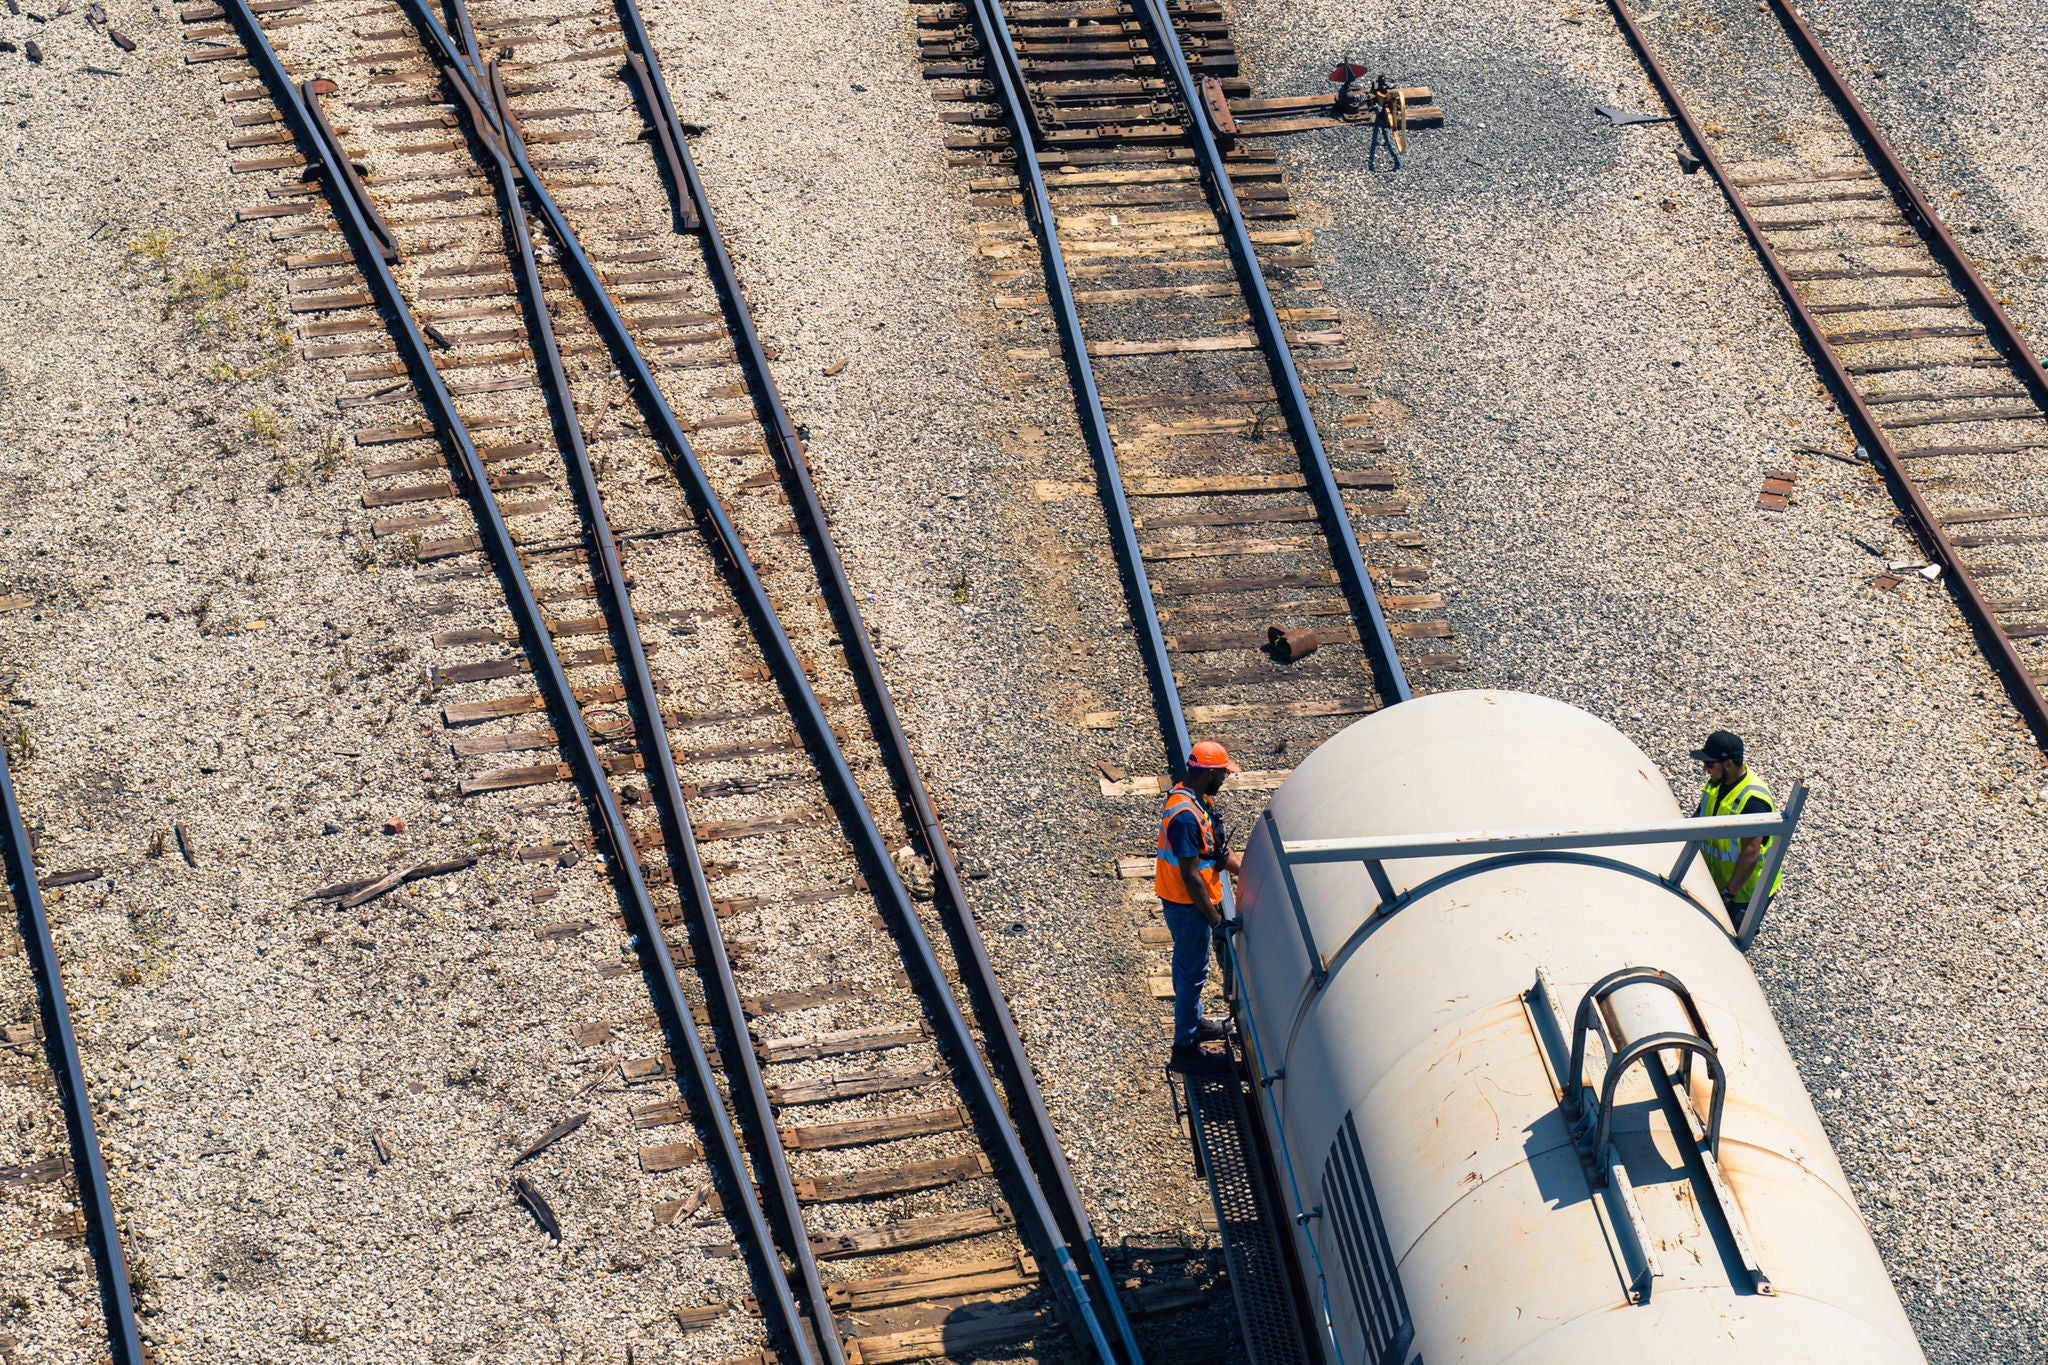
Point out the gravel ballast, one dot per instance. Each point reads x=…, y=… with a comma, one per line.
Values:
x=1590, y=374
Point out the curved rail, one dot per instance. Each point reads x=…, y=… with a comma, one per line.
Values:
x=999, y=1027
x=670, y=1000
x=103, y=1234
x=810, y=712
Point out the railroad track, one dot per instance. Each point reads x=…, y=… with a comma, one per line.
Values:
x=1276, y=592
x=641, y=594
x=53, y=1182
x=1246, y=544
x=1948, y=399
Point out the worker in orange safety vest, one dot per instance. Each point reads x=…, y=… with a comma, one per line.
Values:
x=1187, y=874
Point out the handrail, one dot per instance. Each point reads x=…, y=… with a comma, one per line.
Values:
x=1643, y=1047
x=1589, y=1014
x=1390, y=847
x=808, y=711
x=1491, y=850
x=102, y=1231
x=548, y=672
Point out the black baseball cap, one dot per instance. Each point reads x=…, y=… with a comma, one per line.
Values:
x=1721, y=746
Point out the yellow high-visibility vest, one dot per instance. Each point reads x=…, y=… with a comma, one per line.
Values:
x=1721, y=854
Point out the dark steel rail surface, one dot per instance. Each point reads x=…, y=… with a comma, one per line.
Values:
x=1322, y=480
x=495, y=130
x=549, y=672
x=103, y=1234
x=1007, y=73
x=1926, y=523
x=1918, y=210
x=809, y=712
x=999, y=1027
x=652, y=731
x=1007, y=69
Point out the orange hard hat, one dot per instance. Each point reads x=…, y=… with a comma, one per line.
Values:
x=1210, y=754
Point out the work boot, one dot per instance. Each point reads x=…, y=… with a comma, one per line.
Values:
x=1210, y=1030
x=1186, y=1057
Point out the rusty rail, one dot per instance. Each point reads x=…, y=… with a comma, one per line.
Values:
x=667, y=988
x=807, y=710
x=2020, y=679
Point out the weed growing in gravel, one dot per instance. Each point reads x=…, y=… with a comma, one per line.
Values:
x=202, y=612
x=314, y=1333
x=330, y=454
x=21, y=745
x=203, y=287
x=155, y=245
x=263, y=425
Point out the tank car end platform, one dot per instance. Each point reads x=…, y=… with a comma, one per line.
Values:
x=1229, y=1152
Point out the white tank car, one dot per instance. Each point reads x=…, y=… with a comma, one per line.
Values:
x=1455, y=1198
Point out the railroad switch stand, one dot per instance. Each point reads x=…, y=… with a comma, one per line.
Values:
x=1389, y=110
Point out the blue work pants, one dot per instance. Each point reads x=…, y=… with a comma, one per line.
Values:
x=1192, y=936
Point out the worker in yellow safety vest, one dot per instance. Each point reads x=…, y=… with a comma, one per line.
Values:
x=1732, y=789
x=1187, y=874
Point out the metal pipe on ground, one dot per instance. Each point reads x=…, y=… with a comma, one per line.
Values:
x=1932, y=534
x=548, y=672
x=809, y=714
x=102, y=1232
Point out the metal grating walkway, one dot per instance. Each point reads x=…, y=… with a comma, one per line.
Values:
x=1259, y=1277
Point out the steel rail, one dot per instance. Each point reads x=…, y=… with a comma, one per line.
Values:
x=1918, y=209
x=1391, y=678
x=656, y=752
x=1932, y=534
x=786, y=665
x=553, y=679
x=999, y=1027
x=338, y=163
x=1007, y=68
x=60, y=1044
x=668, y=129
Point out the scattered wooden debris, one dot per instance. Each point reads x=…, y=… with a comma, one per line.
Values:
x=537, y=1206
x=348, y=895
x=552, y=1136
